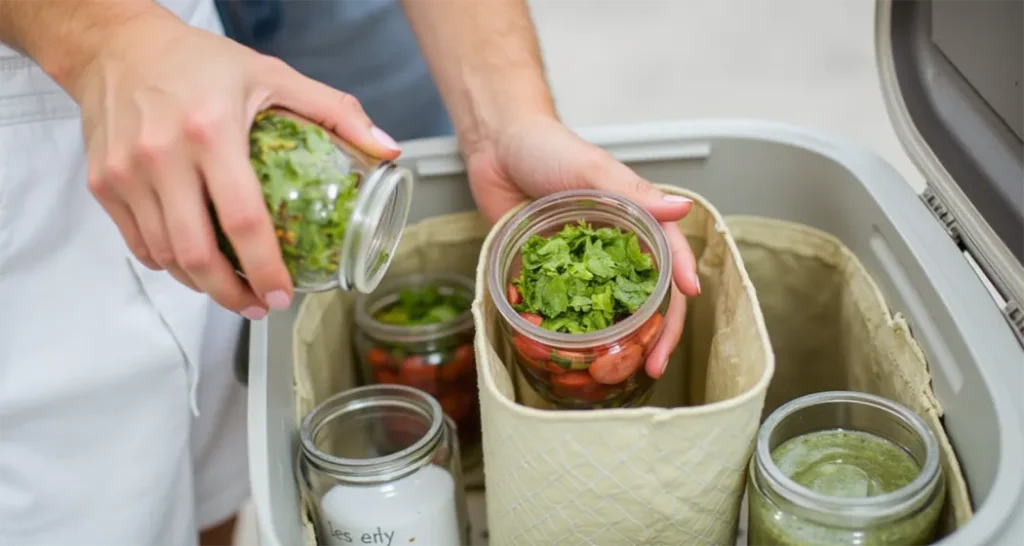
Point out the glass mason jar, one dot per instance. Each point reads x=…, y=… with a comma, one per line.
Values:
x=337, y=212
x=598, y=369
x=380, y=464
x=869, y=471
x=437, y=358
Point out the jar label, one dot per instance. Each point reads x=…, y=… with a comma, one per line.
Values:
x=416, y=510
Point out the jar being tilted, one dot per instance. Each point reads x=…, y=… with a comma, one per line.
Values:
x=338, y=213
x=581, y=281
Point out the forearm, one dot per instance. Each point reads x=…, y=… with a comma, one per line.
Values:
x=485, y=59
x=63, y=36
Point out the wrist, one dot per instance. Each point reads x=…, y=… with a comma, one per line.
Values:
x=83, y=43
x=495, y=104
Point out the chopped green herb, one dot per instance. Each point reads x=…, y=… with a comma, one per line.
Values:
x=308, y=192
x=583, y=279
x=419, y=306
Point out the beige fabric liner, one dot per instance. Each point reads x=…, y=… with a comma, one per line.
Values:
x=832, y=330
x=657, y=475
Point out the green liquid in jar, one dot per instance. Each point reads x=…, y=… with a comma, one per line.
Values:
x=843, y=464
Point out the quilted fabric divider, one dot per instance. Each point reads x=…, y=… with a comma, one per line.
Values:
x=669, y=474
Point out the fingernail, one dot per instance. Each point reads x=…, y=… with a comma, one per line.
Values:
x=253, y=313
x=384, y=138
x=278, y=300
x=677, y=198
x=664, y=366
x=696, y=281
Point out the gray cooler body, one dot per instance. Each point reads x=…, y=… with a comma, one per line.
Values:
x=949, y=260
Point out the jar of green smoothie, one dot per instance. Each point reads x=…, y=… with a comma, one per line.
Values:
x=338, y=213
x=837, y=468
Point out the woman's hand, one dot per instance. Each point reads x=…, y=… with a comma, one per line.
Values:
x=540, y=156
x=166, y=111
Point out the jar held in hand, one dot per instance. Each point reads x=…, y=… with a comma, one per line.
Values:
x=338, y=213
x=581, y=280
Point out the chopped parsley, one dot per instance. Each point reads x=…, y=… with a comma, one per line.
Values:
x=423, y=305
x=308, y=192
x=583, y=279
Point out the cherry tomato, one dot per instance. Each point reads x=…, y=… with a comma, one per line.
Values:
x=578, y=385
x=534, y=369
x=461, y=363
x=530, y=348
x=649, y=332
x=377, y=357
x=385, y=376
x=613, y=368
x=573, y=359
x=415, y=372
x=514, y=297
x=555, y=368
x=532, y=318
x=457, y=405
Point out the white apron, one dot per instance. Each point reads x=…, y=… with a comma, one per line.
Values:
x=98, y=354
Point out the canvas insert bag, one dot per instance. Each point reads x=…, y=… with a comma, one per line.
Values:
x=658, y=475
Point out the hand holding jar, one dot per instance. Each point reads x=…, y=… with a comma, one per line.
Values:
x=581, y=281
x=539, y=156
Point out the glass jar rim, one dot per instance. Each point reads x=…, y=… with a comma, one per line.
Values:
x=385, y=468
x=658, y=246
x=879, y=507
x=376, y=226
x=366, y=322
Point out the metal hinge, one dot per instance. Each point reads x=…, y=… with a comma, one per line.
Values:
x=1011, y=309
x=942, y=213
x=1015, y=315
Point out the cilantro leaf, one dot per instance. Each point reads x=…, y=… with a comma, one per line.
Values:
x=423, y=305
x=582, y=279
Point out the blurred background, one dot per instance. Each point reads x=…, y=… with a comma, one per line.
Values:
x=804, y=62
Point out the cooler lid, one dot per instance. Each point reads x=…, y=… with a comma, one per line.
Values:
x=952, y=75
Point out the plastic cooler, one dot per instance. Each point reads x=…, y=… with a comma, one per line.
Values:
x=949, y=260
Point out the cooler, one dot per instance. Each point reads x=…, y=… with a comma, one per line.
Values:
x=949, y=260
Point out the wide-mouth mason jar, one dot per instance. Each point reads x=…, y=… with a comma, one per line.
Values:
x=338, y=213
x=842, y=468
x=601, y=368
x=417, y=330
x=381, y=465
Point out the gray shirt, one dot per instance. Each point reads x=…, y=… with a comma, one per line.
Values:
x=363, y=47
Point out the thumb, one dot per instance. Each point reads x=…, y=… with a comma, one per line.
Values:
x=334, y=110
x=617, y=178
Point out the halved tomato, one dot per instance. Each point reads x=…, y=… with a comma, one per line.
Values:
x=530, y=348
x=461, y=363
x=377, y=357
x=457, y=405
x=532, y=318
x=648, y=332
x=578, y=385
x=385, y=376
x=514, y=297
x=616, y=367
x=416, y=372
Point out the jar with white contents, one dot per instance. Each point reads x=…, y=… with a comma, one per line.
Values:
x=381, y=466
